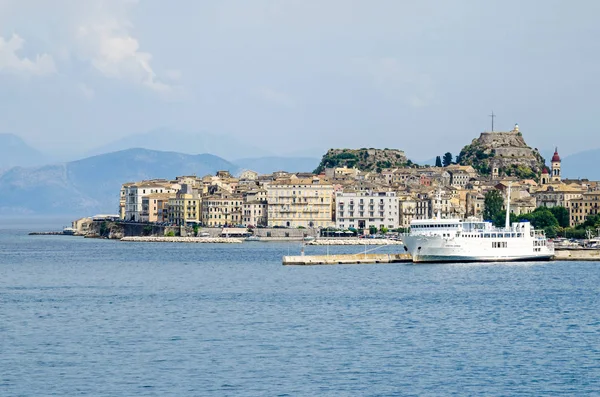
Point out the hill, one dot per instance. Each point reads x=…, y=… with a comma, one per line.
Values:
x=506, y=151
x=164, y=139
x=267, y=165
x=91, y=185
x=582, y=165
x=15, y=152
x=363, y=159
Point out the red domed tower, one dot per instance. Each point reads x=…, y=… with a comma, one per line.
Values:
x=556, y=166
x=545, y=176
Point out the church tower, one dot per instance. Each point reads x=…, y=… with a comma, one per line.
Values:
x=545, y=176
x=556, y=166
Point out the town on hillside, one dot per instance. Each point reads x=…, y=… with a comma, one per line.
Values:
x=375, y=189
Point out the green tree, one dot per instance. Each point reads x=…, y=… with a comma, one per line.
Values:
x=492, y=205
x=438, y=161
x=499, y=219
x=592, y=221
x=383, y=230
x=372, y=229
x=447, y=159
x=562, y=215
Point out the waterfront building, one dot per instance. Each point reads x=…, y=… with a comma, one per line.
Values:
x=362, y=210
x=407, y=210
x=581, y=208
x=557, y=194
x=135, y=192
x=155, y=207
x=255, y=208
x=300, y=202
x=222, y=209
x=185, y=207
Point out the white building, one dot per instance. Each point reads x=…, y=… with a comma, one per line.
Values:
x=135, y=192
x=361, y=210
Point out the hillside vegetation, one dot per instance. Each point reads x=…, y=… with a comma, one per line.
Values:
x=363, y=159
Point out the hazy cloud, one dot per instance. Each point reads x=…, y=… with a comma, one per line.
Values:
x=276, y=97
x=393, y=77
x=11, y=62
x=86, y=91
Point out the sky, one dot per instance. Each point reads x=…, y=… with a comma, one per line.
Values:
x=300, y=76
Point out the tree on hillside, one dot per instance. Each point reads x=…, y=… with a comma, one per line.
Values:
x=492, y=205
x=438, y=161
x=562, y=215
x=447, y=159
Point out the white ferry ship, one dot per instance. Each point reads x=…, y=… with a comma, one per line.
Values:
x=453, y=240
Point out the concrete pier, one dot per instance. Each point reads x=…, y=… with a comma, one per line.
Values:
x=577, y=254
x=346, y=259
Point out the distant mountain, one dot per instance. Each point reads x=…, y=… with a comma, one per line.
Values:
x=168, y=140
x=15, y=152
x=91, y=185
x=267, y=165
x=582, y=165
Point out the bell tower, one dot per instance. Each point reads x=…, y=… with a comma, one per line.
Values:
x=556, y=166
x=545, y=176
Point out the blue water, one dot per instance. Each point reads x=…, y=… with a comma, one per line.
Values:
x=104, y=318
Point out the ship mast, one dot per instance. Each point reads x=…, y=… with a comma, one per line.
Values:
x=507, y=224
x=438, y=199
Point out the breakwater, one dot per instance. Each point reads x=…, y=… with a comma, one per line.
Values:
x=48, y=234
x=212, y=240
x=354, y=241
x=349, y=259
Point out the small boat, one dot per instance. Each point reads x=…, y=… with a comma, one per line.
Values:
x=69, y=231
x=252, y=238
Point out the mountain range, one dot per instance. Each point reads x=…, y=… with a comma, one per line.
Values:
x=168, y=140
x=92, y=185
x=15, y=152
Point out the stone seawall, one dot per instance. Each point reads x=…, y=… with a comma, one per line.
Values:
x=212, y=240
x=354, y=241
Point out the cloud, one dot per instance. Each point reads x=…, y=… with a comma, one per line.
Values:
x=173, y=74
x=10, y=62
x=105, y=41
x=97, y=34
x=276, y=97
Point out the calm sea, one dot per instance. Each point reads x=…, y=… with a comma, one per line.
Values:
x=104, y=318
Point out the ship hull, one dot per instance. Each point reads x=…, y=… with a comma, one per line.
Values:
x=437, y=250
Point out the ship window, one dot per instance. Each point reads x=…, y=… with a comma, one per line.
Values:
x=493, y=235
x=487, y=235
x=519, y=234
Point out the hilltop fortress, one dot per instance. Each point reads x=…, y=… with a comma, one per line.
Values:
x=503, y=154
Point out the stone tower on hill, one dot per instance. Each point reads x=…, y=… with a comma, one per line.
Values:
x=501, y=154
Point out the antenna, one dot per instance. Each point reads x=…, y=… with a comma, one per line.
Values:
x=507, y=223
x=492, y=116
